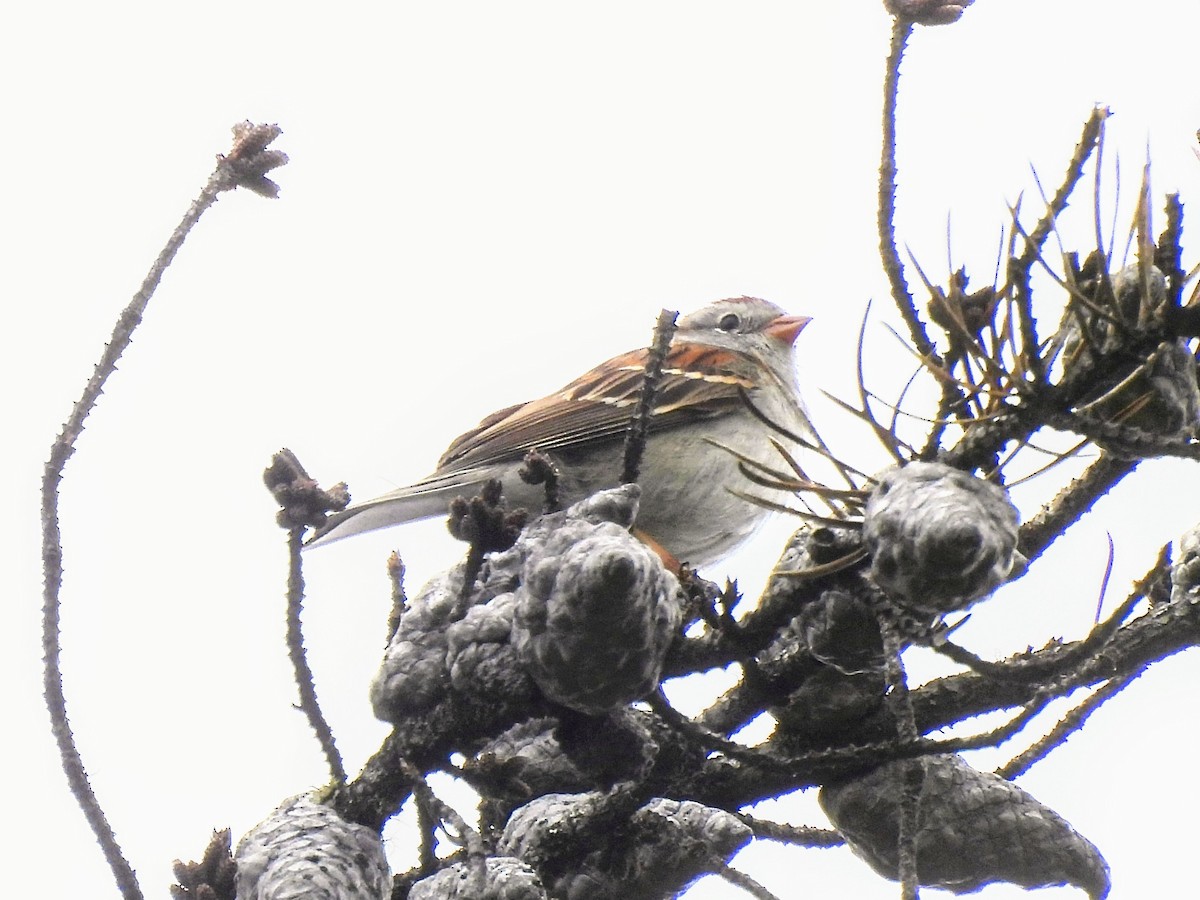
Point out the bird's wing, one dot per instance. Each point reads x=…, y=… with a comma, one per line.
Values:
x=698, y=382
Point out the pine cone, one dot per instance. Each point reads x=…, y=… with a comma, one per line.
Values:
x=654, y=853
x=587, y=609
x=975, y=828
x=939, y=538
x=498, y=878
x=480, y=656
x=528, y=761
x=305, y=851
x=596, y=613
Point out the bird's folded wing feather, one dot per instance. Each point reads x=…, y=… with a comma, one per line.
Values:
x=697, y=382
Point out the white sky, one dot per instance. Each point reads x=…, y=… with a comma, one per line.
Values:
x=483, y=199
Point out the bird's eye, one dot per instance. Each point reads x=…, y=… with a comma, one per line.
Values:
x=729, y=322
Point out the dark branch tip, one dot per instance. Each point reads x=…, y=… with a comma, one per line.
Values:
x=927, y=12
x=484, y=522
x=538, y=468
x=248, y=162
x=303, y=502
x=213, y=877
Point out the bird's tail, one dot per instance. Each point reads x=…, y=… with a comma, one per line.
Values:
x=406, y=504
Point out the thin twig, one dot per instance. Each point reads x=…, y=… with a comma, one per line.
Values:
x=887, y=436
x=301, y=670
x=1145, y=244
x=1089, y=140
x=1168, y=257
x=952, y=396
x=909, y=828
x=1034, y=670
x=1097, y=182
x=900, y=702
x=395, y=571
x=1030, y=351
x=1059, y=459
x=639, y=425
x=1069, y=724
x=427, y=825
x=1000, y=733
x=465, y=836
x=705, y=737
x=1108, y=567
x=1072, y=502
x=1076, y=295
x=244, y=166
x=889, y=252
x=1019, y=268
x=799, y=835
x=741, y=879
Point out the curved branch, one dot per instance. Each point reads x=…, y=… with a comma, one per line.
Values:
x=890, y=255
x=301, y=670
x=244, y=166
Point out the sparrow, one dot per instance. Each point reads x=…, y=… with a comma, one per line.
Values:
x=723, y=358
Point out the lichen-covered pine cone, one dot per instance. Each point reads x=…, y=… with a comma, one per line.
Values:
x=495, y=878
x=655, y=852
x=939, y=538
x=529, y=761
x=974, y=828
x=596, y=612
x=577, y=606
x=306, y=851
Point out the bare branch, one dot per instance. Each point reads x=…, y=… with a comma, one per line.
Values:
x=301, y=670
x=248, y=157
x=639, y=425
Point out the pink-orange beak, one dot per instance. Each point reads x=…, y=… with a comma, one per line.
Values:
x=787, y=328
